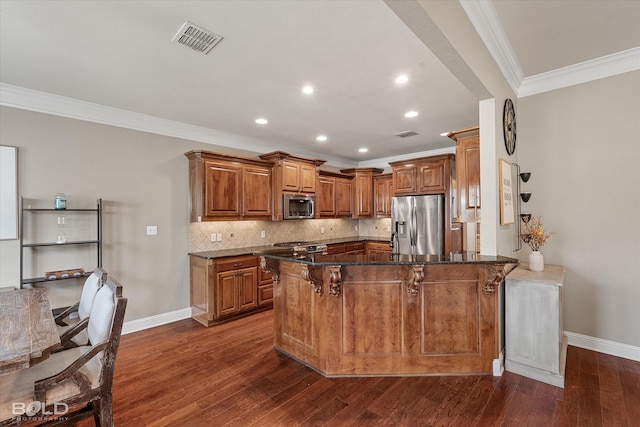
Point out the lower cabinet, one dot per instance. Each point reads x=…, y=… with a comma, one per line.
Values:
x=375, y=248
x=351, y=248
x=224, y=288
x=536, y=346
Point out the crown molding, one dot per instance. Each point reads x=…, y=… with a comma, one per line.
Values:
x=599, y=68
x=485, y=20
x=47, y=103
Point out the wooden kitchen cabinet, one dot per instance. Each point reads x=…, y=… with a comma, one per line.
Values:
x=265, y=288
x=355, y=248
x=292, y=174
x=362, y=190
x=334, y=195
x=382, y=192
x=426, y=175
x=376, y=248
x=229, y=188
x=351, y=248
x=431, y=177
x=467, y=171
x=336, y=249
x=237, y=290
x=225, y=288
x=298, y=177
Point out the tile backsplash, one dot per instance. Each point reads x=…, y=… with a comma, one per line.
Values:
x=239, y=234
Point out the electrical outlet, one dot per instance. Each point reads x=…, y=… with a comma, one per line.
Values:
x=219, y=235
x=321, y=230
x=356, y=227
x=214, y=237
x=152, y=230
x=263, y=234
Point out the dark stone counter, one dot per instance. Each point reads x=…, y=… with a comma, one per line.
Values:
x=269, y=248
x=381, y=259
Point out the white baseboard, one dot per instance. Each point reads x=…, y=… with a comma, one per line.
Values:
x=600, y=345
x=498, y=365
x=577, y=340
x=157, y=320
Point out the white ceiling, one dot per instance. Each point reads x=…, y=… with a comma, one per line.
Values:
x=119, y=55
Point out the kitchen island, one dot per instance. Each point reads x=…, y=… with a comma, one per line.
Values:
x=352, y=315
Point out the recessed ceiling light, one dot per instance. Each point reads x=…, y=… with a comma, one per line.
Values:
x=444, y=134
x=411, y=114
x=363, y=150
x=262, y=121
x=308, y=89
x=321, y=138
x=402, y=79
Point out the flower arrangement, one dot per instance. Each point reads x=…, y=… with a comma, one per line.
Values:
x=533, y=234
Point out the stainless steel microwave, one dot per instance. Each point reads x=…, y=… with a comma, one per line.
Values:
x=298, y=206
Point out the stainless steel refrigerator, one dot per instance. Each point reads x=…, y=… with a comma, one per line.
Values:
x=417, y=225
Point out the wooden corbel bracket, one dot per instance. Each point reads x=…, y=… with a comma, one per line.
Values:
x=416, y=279
x=313, y=275
x=491, y=283
x=335, y=280
x=270, y=265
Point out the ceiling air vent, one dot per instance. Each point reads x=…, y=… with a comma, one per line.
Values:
x=197, y=38
x=406, y=133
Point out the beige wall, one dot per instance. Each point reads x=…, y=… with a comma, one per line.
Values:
x=581, y=145
x=452, y=21
x=143, y=180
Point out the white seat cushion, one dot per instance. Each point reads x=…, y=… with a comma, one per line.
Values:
x=101, y=317
x=89, y=290
x=18, y=386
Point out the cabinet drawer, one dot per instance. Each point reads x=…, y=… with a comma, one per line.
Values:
x=265, y=294
x=228, y=264
x=335, y=249
x=355, y=246
x=264, y=277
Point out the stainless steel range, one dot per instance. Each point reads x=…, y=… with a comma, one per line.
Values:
x=304, y=247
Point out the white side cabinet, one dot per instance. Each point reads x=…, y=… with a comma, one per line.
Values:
x=536, y=346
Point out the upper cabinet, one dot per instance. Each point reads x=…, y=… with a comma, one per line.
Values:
x=425, y=175
x=468, y=171
x=291, y=174
x=298, y=177
x=362, y=191
x=382, y=193
x=227, y=188
x=334, y=195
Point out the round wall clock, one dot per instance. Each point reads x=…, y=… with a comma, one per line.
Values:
x=509, y=126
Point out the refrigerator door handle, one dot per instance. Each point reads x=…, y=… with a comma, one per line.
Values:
x=414, y=225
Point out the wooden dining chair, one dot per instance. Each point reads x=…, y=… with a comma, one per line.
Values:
x=71, y=323
x=74, y=383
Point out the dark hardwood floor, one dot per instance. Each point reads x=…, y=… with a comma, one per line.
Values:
x=184, y=374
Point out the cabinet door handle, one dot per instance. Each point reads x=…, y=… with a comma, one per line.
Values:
x=237, y=264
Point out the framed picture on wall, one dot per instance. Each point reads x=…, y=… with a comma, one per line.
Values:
x=507, y=214
x=8, y=192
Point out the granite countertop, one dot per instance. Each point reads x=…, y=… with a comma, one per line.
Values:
x=382, y=259
x=274, y=249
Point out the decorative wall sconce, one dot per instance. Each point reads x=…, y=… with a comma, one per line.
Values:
x=525, y=217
